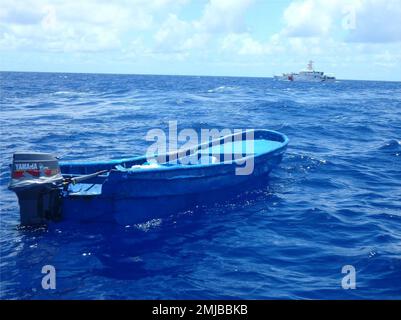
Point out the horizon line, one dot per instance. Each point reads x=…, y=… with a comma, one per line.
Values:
x=178, y=75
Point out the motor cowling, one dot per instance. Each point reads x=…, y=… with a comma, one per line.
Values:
x=36, y=179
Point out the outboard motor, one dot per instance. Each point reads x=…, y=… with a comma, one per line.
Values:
x=37, y=181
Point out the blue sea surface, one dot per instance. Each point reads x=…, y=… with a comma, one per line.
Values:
x=335, y=199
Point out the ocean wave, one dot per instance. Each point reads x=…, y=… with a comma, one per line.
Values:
x=222, y=89
x=334, y=200
x=391, y=145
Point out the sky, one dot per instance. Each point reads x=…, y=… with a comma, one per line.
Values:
x=351, y=39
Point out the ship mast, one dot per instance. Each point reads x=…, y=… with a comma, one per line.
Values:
x=310, y=65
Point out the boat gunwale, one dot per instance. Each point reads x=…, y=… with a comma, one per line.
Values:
x=284, y=142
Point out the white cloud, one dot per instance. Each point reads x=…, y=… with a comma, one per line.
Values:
x=377, y=21
x=172, y=33
x=313, y=30
x=245, y=44
x=91, y=25
x=96, y=25
x=324, y=31
x=221, y=16
x=360, y=20
x=360, y=31
x=308, y=18
x=321, y=27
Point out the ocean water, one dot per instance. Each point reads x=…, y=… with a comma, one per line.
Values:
x=334, y=200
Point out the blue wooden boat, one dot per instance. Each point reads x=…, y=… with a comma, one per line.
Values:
x=139, y=189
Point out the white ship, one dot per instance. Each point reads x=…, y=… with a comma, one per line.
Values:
x=306, y=75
